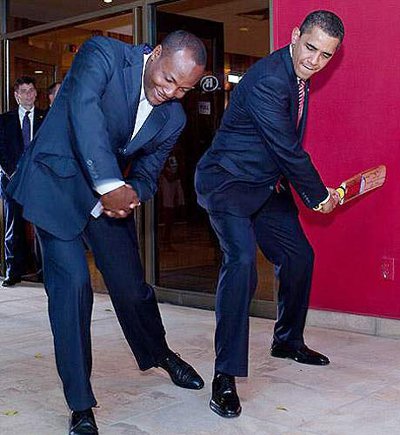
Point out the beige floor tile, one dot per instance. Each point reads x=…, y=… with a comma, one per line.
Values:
x=358, y=393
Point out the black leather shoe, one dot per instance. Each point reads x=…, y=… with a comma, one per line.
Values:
x=304, y=355
x=181, y=373
x=224, y=400
x=9, y=282
x=83, y=423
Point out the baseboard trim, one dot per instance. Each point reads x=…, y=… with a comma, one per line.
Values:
x=354, y=323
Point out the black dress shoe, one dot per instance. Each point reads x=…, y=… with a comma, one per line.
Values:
x=9, y=282
x=304, y=355
x=83, y=423
x=181, y=373
x=224, y=400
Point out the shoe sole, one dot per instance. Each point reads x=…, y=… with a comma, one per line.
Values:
x=186, y=387
x=288, y=356
x=214, y=407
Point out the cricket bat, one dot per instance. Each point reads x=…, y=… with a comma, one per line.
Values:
x=361, y=183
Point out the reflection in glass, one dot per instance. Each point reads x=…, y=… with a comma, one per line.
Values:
x=48, y=56
x=188, y=251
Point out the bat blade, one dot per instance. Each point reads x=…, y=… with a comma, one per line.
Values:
x=361, y=183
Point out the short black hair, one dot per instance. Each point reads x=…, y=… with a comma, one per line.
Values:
x=51, y=89
x=24, y=80
x=327, y=21
x=180, y=40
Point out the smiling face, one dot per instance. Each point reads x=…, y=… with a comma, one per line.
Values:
x=169, y=76
x=312, y=51
x=25, y=95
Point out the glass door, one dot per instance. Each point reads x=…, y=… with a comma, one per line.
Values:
x=47, y=56
x=187, y=255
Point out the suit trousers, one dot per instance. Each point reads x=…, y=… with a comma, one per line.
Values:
x=276, y=229
x=15, y=245
x=70, y=299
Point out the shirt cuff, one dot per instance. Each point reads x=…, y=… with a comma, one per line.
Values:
x=108, y=186
x=321, y=204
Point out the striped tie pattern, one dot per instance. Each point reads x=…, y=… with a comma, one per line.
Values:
x=302, y=93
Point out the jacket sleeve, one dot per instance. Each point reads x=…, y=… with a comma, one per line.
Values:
x=269, y=107
x=145, y=170
x=88, y=77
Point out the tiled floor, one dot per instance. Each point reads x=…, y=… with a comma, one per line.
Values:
x=359, y=393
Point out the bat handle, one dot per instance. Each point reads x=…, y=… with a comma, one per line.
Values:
x=341, y=190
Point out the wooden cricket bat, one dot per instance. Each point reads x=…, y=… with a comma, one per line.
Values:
x=361, y=183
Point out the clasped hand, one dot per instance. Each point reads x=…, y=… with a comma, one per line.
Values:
x=332, y=203
x=119, y=203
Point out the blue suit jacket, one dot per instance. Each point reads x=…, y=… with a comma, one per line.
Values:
x=258, y=142
x=85, y=139
x=12, y=144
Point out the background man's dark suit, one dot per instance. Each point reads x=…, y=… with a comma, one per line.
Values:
x=86, y=138
x=257, y=142
x=11, y=150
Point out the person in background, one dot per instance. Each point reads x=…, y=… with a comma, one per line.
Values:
x=17, y=128
x=243, y=183
x=52, y=91
x=172, y=197
x=92, y=163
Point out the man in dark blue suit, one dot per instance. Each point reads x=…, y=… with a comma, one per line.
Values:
x=17, y=129
x=97, y=156
x=243, y=183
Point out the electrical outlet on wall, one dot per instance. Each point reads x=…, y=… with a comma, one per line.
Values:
x=387, y=268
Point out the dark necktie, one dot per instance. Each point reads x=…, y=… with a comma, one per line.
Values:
x=302, y=93
x=26, y=130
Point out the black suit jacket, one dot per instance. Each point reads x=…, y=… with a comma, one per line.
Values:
x=11, y=142
x=258, y=142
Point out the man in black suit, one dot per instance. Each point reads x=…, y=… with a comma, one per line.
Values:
x=17, y=129
x=243, y=183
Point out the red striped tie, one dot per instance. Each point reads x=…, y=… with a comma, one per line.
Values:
x=302, y=93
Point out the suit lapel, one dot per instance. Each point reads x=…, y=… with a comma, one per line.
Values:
x=17, y=128
x=132, y=78
x=294, y=90
x=153, y=124
x=37, y=120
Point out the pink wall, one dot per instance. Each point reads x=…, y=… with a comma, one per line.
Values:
x=353, y=124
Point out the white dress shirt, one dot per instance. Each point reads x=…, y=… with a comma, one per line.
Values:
x=143, y=112
x=21, y=114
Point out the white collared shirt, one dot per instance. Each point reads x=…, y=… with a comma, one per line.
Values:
x=143, y=112
x=21, y=114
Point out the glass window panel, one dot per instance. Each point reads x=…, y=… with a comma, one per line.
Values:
x=23, y=14
x=187, y=249
x=48, y=56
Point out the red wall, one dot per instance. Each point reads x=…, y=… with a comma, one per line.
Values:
x=353, y=124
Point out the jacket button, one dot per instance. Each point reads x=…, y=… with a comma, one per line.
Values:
x=89, y=162
x=122, y=150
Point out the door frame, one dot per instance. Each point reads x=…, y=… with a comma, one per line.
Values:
x=258, y=308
